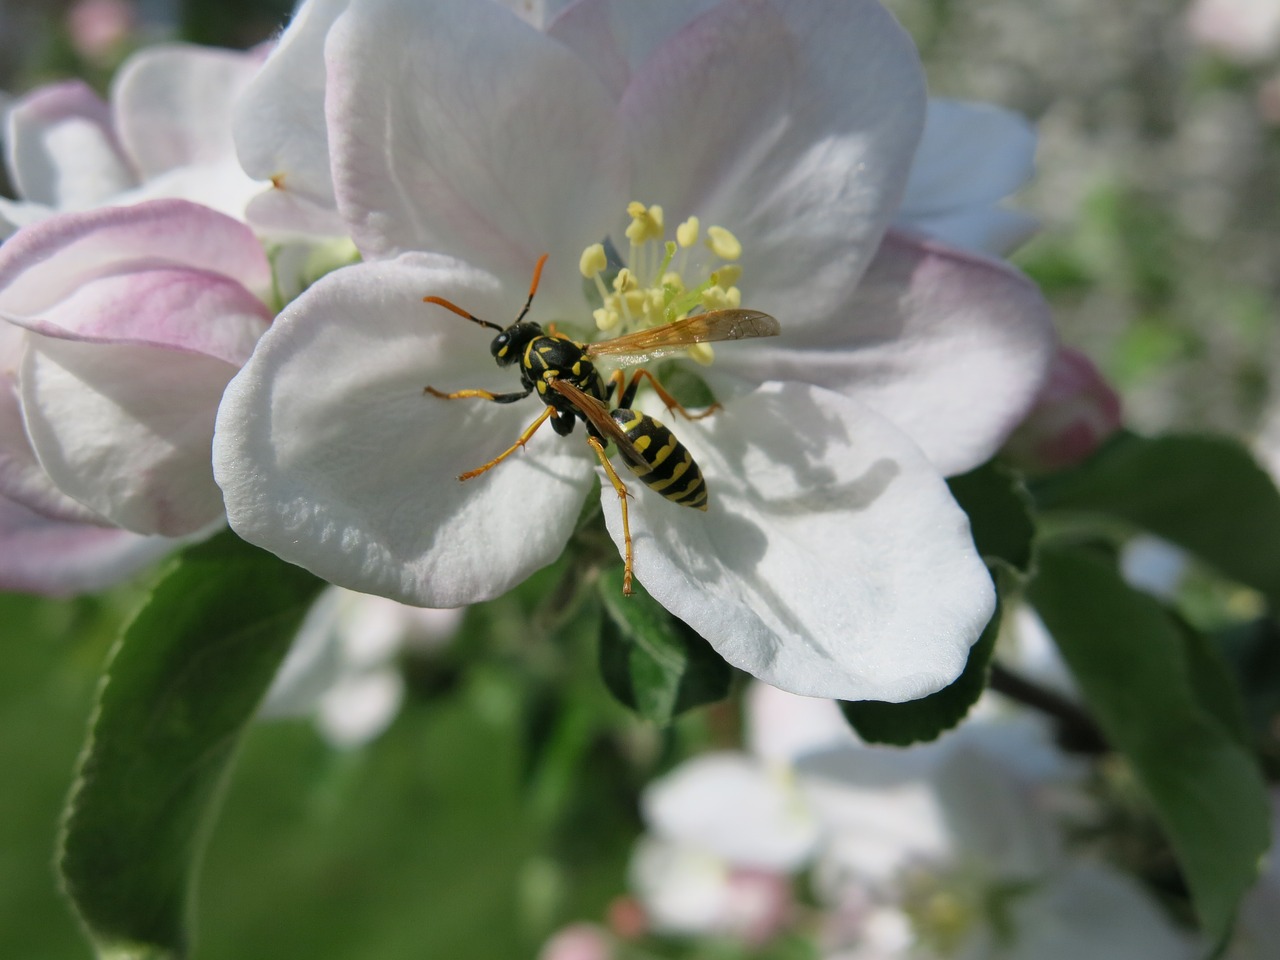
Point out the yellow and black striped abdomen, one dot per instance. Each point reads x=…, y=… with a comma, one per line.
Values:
x=666, y=465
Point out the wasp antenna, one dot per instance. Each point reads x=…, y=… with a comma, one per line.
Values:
x=533, y=285
x=453, y=307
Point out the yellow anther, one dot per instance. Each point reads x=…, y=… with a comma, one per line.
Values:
x=723, y=243
x=606, y=319
x=715, y=298
x=727, y=276
x=646, y=224
x=593, y=260
x=702, y=353
x=687, y=232
x=634, y=302
x=625, y=280
x=672, y=280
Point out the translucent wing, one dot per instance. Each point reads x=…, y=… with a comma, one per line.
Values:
x=645, y=345
x=598, y=414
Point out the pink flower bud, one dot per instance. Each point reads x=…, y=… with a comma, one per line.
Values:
x=578, y=941
x=1075, y=412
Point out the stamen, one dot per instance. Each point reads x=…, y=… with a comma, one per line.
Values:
x=723, y=243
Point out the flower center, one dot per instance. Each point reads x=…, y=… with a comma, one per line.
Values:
x=663, y=280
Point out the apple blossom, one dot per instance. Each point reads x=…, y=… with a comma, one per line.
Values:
x=166, y=132
x=833, y=560
x=120, y=328
x=1243, y=30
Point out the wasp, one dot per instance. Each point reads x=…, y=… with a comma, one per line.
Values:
x=560, y=370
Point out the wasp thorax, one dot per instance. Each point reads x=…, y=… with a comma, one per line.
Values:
x=665, y=280
x=510, y=343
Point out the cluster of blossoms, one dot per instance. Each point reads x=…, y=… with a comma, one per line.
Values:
x=154, y=390
x=960, y=848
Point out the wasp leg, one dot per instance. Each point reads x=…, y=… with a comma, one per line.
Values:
x=481, y=394
x=628, y=394
x=621, y=488
x=524, y=438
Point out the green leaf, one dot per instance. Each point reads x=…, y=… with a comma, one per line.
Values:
x=1131, y=662
x=1205, y=493
x=182, y=684
x=999, y=510
x=653, y=662
x=902, y=724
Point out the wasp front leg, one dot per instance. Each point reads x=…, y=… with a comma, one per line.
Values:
x=478, y=394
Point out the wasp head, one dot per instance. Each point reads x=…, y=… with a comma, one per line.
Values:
x=508, y=346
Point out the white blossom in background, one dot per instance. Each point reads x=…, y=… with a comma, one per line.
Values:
x=343, y=666
x=1247, y=31
x=165, y=132
x=942, y=850
x=900, y=359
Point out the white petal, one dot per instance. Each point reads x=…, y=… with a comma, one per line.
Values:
x=360, y=707
x=126, y=429
x=173, y=105
x=330, y=455
x=832, y=560
x=617, y=38
x=949, y=346
x=455, y=126
x=733, y=806
x=792, y=125
x=62, y=149
x=971, y=157
x=279, y=122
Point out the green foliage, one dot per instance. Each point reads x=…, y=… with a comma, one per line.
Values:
x=1204, y=493
x=183, y=683
x=654, y=662
x=1131, y=662
x=999, y=510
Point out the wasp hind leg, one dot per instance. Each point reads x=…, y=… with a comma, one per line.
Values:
x=628, y=394
x=621, y=489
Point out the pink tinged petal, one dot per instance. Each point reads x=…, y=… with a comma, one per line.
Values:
x=126, y=429
x=22, y=479
x=832, y=561
x=56, y=558
x=950, y=346
x=173, y=105
x=330, y=455
x=50, y=260
x=456, y=126
x=190, y=310
x=1075, y=412
x=279, y=123
x=791, y=124
x=62, y=150
x=733, y=806
x=971, y=157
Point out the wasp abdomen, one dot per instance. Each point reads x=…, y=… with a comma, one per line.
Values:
x=667, y=466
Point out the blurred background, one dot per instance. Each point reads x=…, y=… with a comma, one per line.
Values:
x=500, y=803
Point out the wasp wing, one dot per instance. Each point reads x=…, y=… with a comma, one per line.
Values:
x=598, y=414
x=656, y=342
